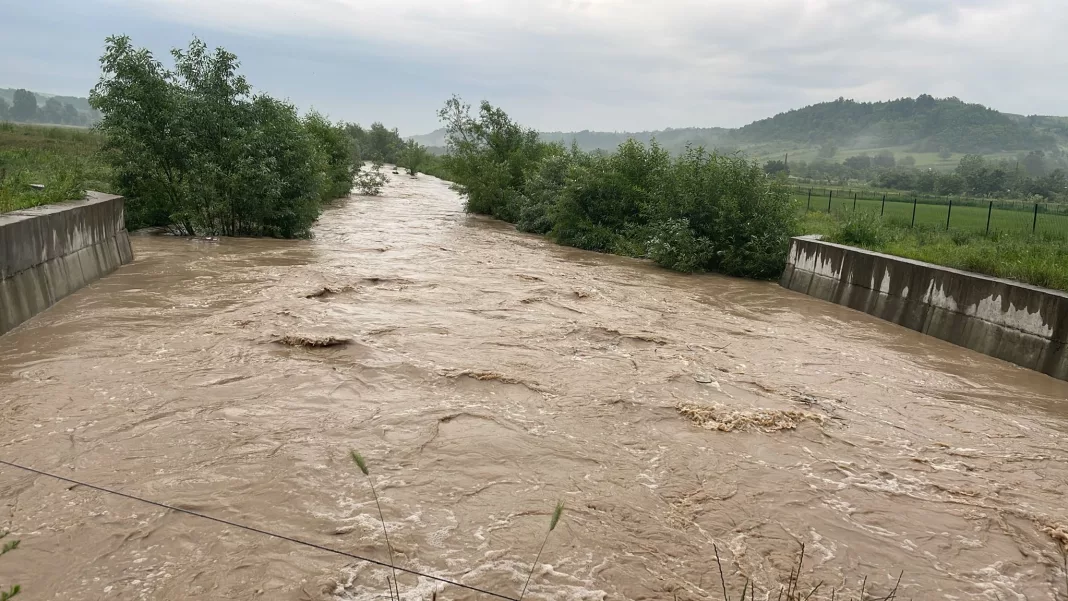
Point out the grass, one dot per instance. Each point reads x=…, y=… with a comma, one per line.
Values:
x=1006, y=217
x=66, y=160
x=1040, y=259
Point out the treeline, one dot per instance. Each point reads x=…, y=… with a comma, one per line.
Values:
x=23, y=108
x=926, y=123
x=697, y=211
x=1035, y=174
x=193, y=149
x=382, y=145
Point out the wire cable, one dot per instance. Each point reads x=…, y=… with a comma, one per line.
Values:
x=254, y=529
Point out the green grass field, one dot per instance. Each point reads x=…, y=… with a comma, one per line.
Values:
x=65, y=160
x=970, y=218
x=1040, y=259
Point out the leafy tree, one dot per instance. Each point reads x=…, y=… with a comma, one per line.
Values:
x=884, y=159
x=369, y=181
x=827, y=150
x=52, y=112
x=338, y=155
x=776, y=167
x=907, y=161
x=193, y=149
x=71, y=115
x=859, y=162
x=488, y=156
x=414, y=157
x=4, y=109
x=23, y=106
x=944, y=153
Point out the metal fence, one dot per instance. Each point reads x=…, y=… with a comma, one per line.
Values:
x=959, y=213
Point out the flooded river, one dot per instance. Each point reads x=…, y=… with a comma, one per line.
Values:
x=490, y=373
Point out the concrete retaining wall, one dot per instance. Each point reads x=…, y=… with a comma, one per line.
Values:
x=1024, y=324
x=50, y=251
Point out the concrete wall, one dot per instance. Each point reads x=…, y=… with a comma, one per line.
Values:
x=1024, y=324
x=50, y=251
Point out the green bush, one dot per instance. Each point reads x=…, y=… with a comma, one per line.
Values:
x=194, y=150
x=862, y=229
x=700, y=211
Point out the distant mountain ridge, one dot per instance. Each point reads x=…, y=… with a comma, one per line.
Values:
x=924, y=124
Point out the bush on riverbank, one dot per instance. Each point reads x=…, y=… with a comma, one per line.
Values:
x=193, y=149
x=697, y=212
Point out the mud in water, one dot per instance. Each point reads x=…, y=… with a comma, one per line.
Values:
x=486, y=374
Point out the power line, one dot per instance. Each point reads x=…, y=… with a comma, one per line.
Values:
x=254, y=529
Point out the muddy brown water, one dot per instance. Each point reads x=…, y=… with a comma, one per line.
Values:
x=489, y=374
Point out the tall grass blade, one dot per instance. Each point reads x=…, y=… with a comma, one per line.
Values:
x=557, y=512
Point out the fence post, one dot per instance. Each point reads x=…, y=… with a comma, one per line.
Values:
x=949, y=213
x=1034, y=225
x=914, y=200
x=829, y=194
x=989, y=211
x=883, y=209
x=810, y=199
x=854, y=202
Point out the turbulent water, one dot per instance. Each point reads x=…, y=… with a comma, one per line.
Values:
x=486, y=375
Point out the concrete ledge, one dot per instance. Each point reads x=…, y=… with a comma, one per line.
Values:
x=50, y=251
x=1024, y=324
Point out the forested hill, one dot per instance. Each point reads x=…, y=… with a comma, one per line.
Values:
x=925, y=124
x=930, y=124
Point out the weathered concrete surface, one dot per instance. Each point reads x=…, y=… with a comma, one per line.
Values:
x=50, y=251
x=1024, y=324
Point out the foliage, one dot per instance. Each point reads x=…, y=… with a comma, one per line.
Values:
x=931, y=123
x=8, y=547
x=194, y=150
x=414, y=157
x=776, y=168
x=699, y=211
x=59, y=110
x=487, y=156
x=370, y=180
x=338, y=155
x=377, y=143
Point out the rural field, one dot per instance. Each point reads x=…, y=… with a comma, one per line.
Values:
x=1016, y=217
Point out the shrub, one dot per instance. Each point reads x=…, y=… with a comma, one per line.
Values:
x=194, y=150
x=700, y=211
x=370, y=180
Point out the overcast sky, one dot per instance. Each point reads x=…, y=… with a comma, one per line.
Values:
x=574, y=64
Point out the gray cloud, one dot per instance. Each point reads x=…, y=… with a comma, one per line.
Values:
x=629, y=64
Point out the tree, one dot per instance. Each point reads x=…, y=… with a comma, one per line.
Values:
x=907, y=161
x=944, y=153
x=4, y=109
x=828, y=149
x=860, y=162
x=884, y=159
x=52, y=112
x=23, y=106
x=775, y=167
x=71, y=115
x=193, y=149
x=413, y=157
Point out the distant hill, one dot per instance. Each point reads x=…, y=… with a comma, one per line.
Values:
x=51, y=109
x=927, y=123
x=926, y=127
